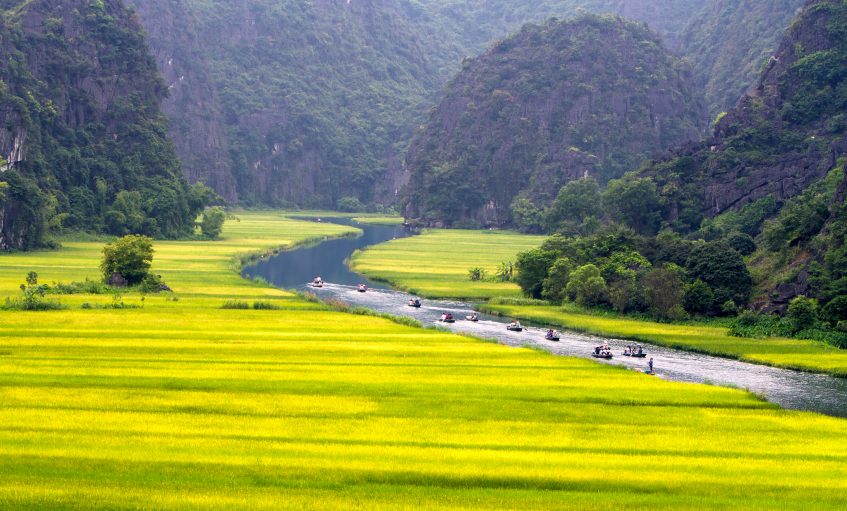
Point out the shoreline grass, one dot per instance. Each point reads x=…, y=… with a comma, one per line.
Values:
x=184, y=405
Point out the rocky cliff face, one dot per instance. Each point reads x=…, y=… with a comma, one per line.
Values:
x=557, y=102
x=197, y=126
x=785, y=134
x=80, y=123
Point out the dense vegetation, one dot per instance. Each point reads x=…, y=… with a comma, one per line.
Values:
x=81, y=128
x=770, y=171
x=729, y=41
x=182, y=404
x=555, y=102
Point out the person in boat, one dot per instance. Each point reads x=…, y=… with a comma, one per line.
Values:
x=640, y=350
x=473, y=317
x=596, y=350
x=549, y=333
x=444, y=317
x=627, y=350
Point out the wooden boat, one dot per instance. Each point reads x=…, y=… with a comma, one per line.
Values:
x=447, y=318
x=552, y=336
x=362, y=288
x=415, y=303
x=472, y=317
x=607, y=355
x=514, y=327
x=318, y=282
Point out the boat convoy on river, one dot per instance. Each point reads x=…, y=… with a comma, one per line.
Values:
x=603, y=351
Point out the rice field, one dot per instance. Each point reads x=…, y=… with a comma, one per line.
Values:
x=436, y=263
x=183, y=405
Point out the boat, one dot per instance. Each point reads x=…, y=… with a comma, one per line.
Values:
x=552, y=335
x=414, y=302
x=602, y=352
x=318, y=282
x=447, y=318
x=472, y=317
x=636, y=351
x=514, y=326
x=362, y=288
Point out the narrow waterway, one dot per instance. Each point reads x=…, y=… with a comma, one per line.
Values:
x=295, y=269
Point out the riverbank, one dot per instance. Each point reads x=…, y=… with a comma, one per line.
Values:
x=464, y=249
x=181, y=404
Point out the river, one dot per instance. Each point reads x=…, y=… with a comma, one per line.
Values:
x=295, y=269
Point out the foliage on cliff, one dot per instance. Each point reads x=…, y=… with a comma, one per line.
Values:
x=771, y=169
x=80, y=126
x=729, y=41
x=553, y=103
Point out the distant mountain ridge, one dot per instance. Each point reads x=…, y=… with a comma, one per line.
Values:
x=556, y=102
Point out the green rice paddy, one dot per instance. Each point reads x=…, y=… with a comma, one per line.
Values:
x=183, y=405
x=436, y=263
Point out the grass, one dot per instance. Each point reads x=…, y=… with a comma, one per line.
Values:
x=436, y=263
x=799, y=354
x=379, y=220
x=185, y=405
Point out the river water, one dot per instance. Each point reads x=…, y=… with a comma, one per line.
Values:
x=296, y=268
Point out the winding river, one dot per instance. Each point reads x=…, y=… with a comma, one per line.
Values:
x=295, y=269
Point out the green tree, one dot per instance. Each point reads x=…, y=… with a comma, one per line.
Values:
x=663, y=289
x=213, y=222
x=575, y=202
x=556, y=283
x=698, y=298
x=130, y=256
x=723, y=269
x=533, y=266
x=350, y=205
x=634, y=202
x=586, y=286
x=803, y=313
x=526, y=215
x=742, y=242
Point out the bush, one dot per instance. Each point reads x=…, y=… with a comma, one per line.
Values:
x=213, y=222
x=476, y=274
x=152, y=284
x=86, y=287
x=729, y=308
x=741, y=242
x=32, y=298
x=835, y=311
x=235, y=305
x=803, y=313
x=753, y=325
x=350, y=205
x=130, y=256
x=268, y=306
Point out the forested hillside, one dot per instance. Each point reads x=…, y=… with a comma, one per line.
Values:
x=84, y=141
x=728, y=43
x=291, y=102
x=774, y=168
x=554, y=103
